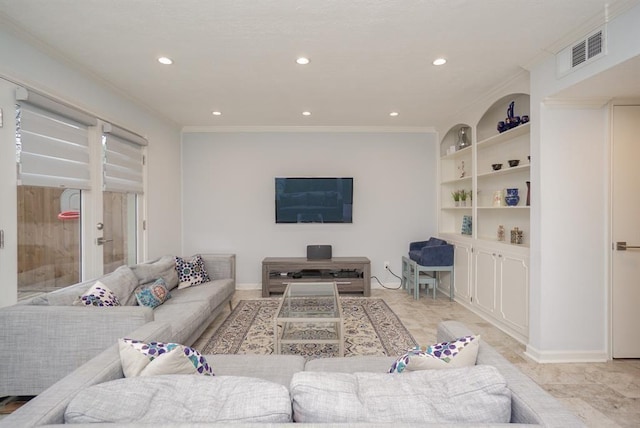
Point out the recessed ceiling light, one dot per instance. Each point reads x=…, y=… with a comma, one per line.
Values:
x=306, y=113
x=164, y=60
x=439, y=61
x=303, y=61
x=217, y=113
x=394, y=114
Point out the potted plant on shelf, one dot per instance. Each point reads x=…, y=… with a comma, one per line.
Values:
x=456, y=197
x=463, y=197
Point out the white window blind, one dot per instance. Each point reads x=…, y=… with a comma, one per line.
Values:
x=52, y=148
x=123, y=160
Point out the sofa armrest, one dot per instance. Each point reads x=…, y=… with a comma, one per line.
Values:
x=220, y=266
x=42, y=344
x=49, y=406
x=530, y=404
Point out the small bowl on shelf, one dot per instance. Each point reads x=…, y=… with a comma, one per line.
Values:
x=514, y=162
x=496, y=166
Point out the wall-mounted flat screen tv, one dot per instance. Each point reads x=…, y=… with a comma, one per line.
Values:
x=314, y=200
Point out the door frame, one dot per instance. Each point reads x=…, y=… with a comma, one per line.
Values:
x=609, y=263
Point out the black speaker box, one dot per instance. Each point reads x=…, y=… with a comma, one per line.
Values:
x=318, y=252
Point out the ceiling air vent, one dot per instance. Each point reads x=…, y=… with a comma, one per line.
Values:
x=581, y=52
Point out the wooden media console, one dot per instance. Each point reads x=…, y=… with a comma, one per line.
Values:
x=351, y=274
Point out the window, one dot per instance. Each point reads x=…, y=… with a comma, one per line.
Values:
x=79, y=195
x=52, y=154
x=123, y=173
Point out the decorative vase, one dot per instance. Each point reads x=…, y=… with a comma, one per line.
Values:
x=528, y=193
x=516, y=236
x=463, y=141
x=497, y=198
x=512, y=198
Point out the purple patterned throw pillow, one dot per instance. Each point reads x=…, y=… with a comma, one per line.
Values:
x=157, y=358
x=97, y=295
x=461, y=352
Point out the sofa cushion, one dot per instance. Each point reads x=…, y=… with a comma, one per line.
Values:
x=214, y=292
x=164, y=267
x=153, y=294
x=461, y=352
x=191, y=272
x=97, y=295
x=122, y=282
x=181, y=399
x=158, y=358
x=477, y=394
x=184, y=318
x=64, y=296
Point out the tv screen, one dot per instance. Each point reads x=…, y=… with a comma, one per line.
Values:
x=314, y=200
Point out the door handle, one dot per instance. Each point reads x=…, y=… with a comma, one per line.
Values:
x=622, y=246
x=101, y=240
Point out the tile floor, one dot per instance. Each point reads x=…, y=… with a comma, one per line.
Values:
x=602, y=394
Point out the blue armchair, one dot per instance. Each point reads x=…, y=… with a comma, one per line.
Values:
x=433, y=252
x=425, y=262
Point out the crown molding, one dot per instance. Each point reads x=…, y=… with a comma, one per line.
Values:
x=345, y=129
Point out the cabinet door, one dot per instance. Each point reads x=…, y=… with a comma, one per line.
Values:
x=514, y=291
x=462, y=268
x=486, y=262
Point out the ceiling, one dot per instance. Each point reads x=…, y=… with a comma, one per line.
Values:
x=368, y=57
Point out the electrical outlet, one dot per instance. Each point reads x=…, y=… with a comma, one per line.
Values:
x=386, y=265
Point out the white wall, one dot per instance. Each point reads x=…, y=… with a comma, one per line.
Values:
x=228, y=195
x=569, y=250
x=27, y=65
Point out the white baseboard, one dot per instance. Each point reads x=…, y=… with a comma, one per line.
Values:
x=249, y=286
x=544, y=357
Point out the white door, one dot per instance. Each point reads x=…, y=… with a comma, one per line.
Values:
x=625, y=228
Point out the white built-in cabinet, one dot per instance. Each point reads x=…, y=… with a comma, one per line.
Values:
x=491, y=276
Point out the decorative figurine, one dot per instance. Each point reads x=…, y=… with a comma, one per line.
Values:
x=461, y=169
x=500, y=233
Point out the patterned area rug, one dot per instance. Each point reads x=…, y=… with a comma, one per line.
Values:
x=370, y=328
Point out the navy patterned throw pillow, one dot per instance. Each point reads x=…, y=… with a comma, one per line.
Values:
x=191, y=272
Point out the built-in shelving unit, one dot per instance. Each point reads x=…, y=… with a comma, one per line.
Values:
x=492, y=276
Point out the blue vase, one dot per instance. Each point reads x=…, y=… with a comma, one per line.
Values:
x=512, y=200
x=511, y=197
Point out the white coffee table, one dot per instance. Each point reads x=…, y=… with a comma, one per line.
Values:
x=309, y=312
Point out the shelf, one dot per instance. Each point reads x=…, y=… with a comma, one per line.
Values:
x=522, y=207
x=507, y=243
x=505, y=136
x=508, y=170
x=457, y=208
x=457, y=180
x=458, y=154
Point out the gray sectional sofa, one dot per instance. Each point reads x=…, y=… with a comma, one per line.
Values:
x=271, y=389
x=46, y=338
